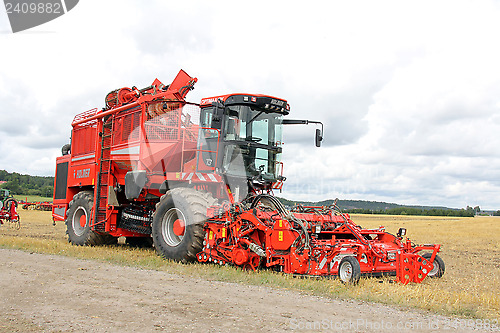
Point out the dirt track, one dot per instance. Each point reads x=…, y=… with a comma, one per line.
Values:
x=59, y=294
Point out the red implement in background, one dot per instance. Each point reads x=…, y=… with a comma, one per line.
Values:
x=8, y=209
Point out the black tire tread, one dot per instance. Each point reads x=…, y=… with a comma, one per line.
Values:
x=440, y=262
x=92, y=238
x=356, y=270
x=199, y=202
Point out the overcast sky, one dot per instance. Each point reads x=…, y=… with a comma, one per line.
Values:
x=409, y=92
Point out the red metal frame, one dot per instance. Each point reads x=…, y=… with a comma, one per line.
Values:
x=9, y=214
x=259, y=237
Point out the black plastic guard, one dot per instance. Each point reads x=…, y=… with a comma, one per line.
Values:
x=134, y=183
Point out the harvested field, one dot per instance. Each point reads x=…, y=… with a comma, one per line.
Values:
x=471, y=252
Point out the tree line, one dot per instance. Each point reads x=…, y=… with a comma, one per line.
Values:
x=469, y=212
x=375, y=207
x=26, y=184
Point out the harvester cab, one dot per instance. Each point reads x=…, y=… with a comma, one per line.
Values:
x=248, y=130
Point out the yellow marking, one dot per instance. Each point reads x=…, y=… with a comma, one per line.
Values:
x=280, y=236
x=211, y=235
x=223, y=232
x=280, y=223
x=178, y=175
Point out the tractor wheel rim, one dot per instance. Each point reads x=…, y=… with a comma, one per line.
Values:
x=435, y=268
x=167, y=226
x=345, y=272
x=79, y=216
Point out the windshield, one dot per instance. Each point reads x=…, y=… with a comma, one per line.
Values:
x=245, y=126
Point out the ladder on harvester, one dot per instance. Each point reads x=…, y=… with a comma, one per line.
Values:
x=101, y=193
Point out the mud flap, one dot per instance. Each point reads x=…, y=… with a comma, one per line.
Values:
x=411, y=267
x=134, y=183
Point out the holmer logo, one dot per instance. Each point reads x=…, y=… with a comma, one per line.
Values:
x=26, y=14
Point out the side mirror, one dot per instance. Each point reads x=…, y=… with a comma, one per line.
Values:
x=319, y=132
x=401, y=232
x=319, y=137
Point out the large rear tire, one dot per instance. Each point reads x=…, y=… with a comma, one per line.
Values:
x=78, y=222
x=177, y=227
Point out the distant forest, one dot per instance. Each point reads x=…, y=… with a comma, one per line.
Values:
x=26, y=184
x=375, y=207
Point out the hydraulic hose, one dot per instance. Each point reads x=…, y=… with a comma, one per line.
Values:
x=283, y=212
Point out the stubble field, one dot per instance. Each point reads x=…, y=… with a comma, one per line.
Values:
x=470, y=249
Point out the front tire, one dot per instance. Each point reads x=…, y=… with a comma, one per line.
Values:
x=438, y=269
x=177, y=227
